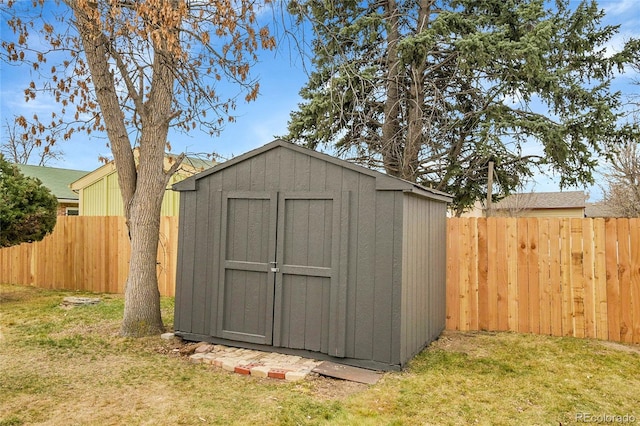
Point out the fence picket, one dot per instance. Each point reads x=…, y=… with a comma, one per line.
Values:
x=465, y=274
x=624, y=278
x=566, y=277
x=492, y=275
x=523, y=275
x=613, y=289
x=502, y=274
x=473, y=275
x=512, y=273
x=483, y=275
x=533, y=296
x=544, y=280
x=577, y=277
x=600, y=279
x=555, y=277
x=453, y=275
x=588, y=263
x=634, y=244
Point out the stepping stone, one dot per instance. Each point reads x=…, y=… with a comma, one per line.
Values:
x=80, y=301
x=347, y=372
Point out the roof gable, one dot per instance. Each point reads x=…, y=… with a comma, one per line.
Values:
x=383, y=182
x=190, y=165
x=57, y=180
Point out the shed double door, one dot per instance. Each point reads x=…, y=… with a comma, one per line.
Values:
x=283, y=269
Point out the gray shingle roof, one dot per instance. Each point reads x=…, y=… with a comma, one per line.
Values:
x=599, y=209
x=544, y=200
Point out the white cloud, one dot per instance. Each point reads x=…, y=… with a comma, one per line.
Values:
x=16, y=104
x=619, y=7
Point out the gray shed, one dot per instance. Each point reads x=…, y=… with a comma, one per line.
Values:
x=287, y=249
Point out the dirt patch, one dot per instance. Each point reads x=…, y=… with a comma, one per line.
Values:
x=621, y=347
x=334, y=389
x=174, y=347
x=461, y=342
x=105, y=329
x=15, y=296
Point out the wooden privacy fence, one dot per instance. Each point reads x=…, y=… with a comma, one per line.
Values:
x=88, y=253
x=561, y=277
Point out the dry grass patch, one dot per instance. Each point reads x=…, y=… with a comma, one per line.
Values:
x=69, y=366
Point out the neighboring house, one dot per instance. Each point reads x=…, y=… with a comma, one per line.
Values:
x=99, y=190
x=536, y=204
x=58, y=181
x=542, y=204
x=599, y=209
x=476, y=211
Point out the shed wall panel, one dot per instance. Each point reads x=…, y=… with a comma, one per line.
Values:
x=286, y=166
x=228, y=177
x=212, y=266
x=396, y=302
x=258, y=173
x=386, y=307
x=199, y=307
x=364, y=258
x=186, y=263
x=350, y=183
x=272, y=170
x=301, y=175
x=305, y=318
x=318, y=176
x=422, y=274
x=243, y=176
x=245, y=290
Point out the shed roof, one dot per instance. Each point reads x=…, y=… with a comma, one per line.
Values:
x=544, y=200
x=383, y=182
x=57, y=180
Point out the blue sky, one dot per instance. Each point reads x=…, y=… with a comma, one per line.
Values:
x=281, y=75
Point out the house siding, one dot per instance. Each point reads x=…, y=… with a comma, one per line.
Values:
x=103, y=198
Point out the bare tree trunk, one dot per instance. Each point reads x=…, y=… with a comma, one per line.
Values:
x=415, y=103
x=142, y=298
x=391, y=144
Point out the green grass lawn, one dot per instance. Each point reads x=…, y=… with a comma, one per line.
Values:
x=69, y=366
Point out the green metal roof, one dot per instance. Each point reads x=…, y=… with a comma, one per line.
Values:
x=195, y=162
x=57, y=180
